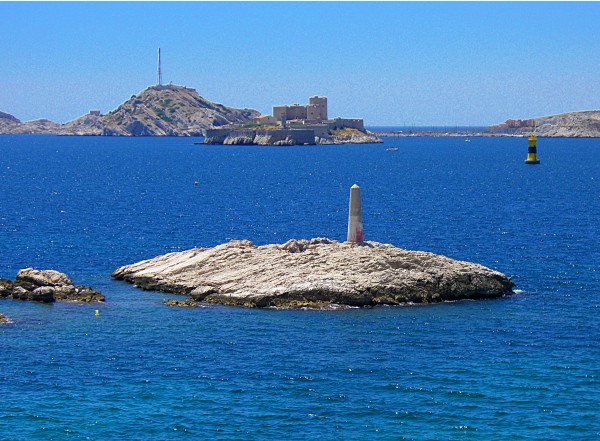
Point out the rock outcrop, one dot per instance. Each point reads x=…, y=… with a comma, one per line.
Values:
x=170, y=111
x=38, y=127
x=349, y=136
x=182, y=303
x=11, y=125
x=5, y=117
x=167, y=110
x=46, y=286
x=248, y=136
x=314, y=273
x=86, y=125
x=8, y=122
x=567, y=125
x=4, y=319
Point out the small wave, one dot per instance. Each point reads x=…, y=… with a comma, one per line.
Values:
x=329, y=307
x=464, y=427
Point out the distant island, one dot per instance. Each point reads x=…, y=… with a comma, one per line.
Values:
x=584, y=124
x=294, y=125
x=171, y=110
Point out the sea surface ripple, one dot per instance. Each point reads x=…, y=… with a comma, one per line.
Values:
x=521, y=367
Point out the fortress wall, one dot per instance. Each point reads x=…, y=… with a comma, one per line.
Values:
x=316, y=112
x=237, y=137
x=279, y=112
x=215, y=136
x=264, y=119
x=285, y=137
x=320, y=130
x=260, y=137
x=313, y=112
x=228, y=136
x=304, y=136
x=296, y=112
x=350, y=123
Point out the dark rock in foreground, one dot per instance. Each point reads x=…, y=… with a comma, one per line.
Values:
x=315, y=273
x=46, y=286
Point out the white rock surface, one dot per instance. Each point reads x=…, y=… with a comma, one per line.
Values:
x=314, y=273
x=43, y=277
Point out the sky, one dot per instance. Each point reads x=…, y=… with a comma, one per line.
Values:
x=391, y=63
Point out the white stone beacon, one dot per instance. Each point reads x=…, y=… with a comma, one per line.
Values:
x=355, y=228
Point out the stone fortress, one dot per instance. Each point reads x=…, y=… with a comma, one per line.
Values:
x=309, y=116
x=291, y=125
x=315, y=111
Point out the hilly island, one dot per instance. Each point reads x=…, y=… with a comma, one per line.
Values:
x=167, y=110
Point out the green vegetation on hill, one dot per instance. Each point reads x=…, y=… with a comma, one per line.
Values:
x=346, y=132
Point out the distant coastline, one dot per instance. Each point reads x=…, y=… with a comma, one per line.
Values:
x=584, y=124
x=429, y=131
x=171, y=110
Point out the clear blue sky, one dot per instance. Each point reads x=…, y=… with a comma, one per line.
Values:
x=389, y=63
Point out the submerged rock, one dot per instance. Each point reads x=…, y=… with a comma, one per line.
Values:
x=182, y=303
x=47, y=286
x=314, y=273
x=6, y=287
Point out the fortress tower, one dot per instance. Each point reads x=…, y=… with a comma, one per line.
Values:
x=320, y=105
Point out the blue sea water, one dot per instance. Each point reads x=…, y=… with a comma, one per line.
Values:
x=521, y=367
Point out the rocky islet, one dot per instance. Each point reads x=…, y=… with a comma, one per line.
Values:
x=47, y=286
x=314, y=273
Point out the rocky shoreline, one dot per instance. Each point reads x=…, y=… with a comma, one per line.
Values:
x=47, y=286
x=366, y=138
x=284, y=137
x=314, y=273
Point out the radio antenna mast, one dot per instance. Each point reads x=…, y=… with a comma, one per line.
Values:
x=159, y=72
